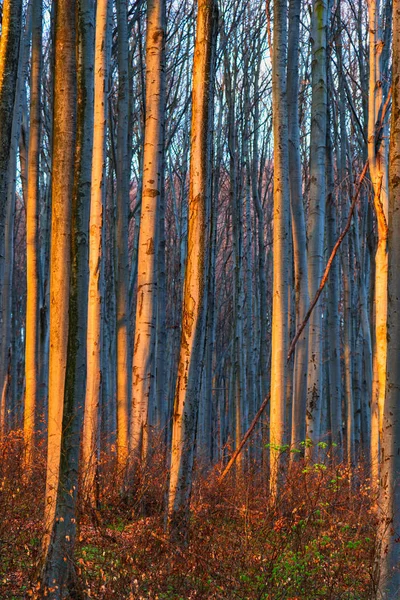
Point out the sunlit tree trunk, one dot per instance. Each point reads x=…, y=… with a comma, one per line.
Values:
x=64, y=119
x=194, y=300
x=143, y=375
x=72, y=152
x=32, y=378
x=389, y=497
x=96, y=293
x=379, y=176
x=316, y=214
x=281, y=243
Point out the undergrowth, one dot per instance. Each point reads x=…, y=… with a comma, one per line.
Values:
x=316, y=541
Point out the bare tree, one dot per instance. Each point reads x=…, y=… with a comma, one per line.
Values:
x=194, y=300
x=281, y=243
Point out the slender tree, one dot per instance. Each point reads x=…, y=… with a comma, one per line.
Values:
x=333, y=329
x=298, y=226
x=9, y=50
x=378, y=168
x=64, y=124
x=32, y=238
x=72, y=151
x=194, y=300
x=316, y=214
x=143, y=377
x=281, y=241
x=389, y=492
x=90, y=445
x=122, y=257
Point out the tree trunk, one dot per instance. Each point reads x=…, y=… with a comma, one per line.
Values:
x=379, y=176
x=298, y=228
x=32, y=378
x=143, y=373
x=281, y=244
x=194, y=300
x=72, y=152
x=9, y=50
x=333, y=319
x=122, y=257
x=64, y=120
x=316, y=215
x=96, y=283
x=389, y=500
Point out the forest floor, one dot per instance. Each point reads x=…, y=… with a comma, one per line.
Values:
x=317, y=541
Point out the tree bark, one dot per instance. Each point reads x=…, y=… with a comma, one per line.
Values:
x=194, y=300
x=90, y=445
x=298, y=228
x=9, y=51
x=143, y=375
x=72, y=160
x=389, y=491
x=281, y=244
x=64, y=127
x=316, y=215
x=379, y=176
x=122, y=257
x=32, y=241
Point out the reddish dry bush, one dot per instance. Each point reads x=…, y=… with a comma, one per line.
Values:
x=315, y=541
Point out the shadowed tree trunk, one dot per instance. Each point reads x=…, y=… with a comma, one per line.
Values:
x=316, y=215
x=298, y=228
x=122, y=258
x=333, y=320
x=9, y=50
x=64, y=127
